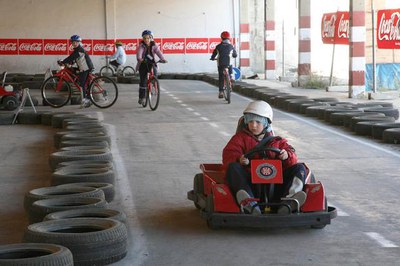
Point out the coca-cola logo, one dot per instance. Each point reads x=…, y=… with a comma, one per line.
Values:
x=30, y=47
x=101, y=47
x=388, y=29
x=343, y=28
x=55, y=47
x=173, y=46
x=213, y=45
x=196, y=46
x=8, y=47
x=130, y=47
x=328, y=27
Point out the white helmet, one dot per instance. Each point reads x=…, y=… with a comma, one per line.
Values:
x=260, y=108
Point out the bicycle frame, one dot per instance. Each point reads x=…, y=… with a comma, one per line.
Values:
x=67, y=74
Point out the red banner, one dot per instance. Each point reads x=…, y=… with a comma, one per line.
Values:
x=388, y=29
x=173, y=45
x=212, y=43
x=103, y=47
x=55, y=47
x=130, y=45
x=196, y=45
x=8, y=46
x=30, y=46
x=335, y=28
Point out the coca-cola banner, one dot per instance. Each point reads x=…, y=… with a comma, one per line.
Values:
x=388, y=29
x=130, y=45
x=30, y=46
x=197, y=45
x=8, y=46
x=173, y=45
x=55, y=47
x=335, y=28
x=105, y=47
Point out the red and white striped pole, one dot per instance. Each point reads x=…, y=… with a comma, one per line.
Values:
x=304, y=65
x=270, y=54
x=357, y=48
x=244, y=46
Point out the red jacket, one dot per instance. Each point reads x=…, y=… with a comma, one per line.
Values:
x=243, y=141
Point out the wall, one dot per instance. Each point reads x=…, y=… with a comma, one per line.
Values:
x=59, y=19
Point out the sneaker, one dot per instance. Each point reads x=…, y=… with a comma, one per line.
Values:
x=85, y=103
x=140, y=101
x=295, y=200
x=246, y=203
x=221, y=95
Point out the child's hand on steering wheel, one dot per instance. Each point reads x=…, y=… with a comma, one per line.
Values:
x=244, y=161
x=283, y=155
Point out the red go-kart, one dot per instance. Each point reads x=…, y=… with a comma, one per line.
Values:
x=9, y=97
x=212, y=196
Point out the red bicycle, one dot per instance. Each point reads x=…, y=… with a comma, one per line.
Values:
x=152, y=96
x=58, y=89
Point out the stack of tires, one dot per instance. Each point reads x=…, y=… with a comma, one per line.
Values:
x=71, y=222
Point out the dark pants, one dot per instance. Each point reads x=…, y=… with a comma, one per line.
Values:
x=144, y=68
x=82, y=76
x=239, y=178
x=221, y=76
x=115, y=64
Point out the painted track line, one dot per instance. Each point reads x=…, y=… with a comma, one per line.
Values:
x=383, y=242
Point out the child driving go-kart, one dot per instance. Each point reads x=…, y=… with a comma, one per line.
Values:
x=258, y=117
x=260, y=183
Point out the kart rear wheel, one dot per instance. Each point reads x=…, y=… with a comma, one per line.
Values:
x=198, y=187
x=10, y=102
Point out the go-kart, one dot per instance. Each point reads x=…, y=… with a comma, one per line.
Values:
x=9, y=97
x=212, y=196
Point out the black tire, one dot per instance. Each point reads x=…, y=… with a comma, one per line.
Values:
x=103, y=92
x=88, y=213
x=56, y=92
x=377, y=129
x=92, y=241
x=58, y=135
x=364, y=128
x=198, y=187
x=29, y=118
x=87, y=164
x=68, y=143
x=59, y=192
x=128, y=71
x=388, y=111
x=373, y=118
x=75, y=175
x=107, y=188
x=391, y=135
x=41, y=208
x=154, y=96
x=227, y=89
x=35, y=254
x=57, y=119
x=10, y=102
x=90, y=137
x=107, y=71
x=63, y=156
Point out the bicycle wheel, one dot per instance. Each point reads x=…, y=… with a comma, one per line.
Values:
x=227, y=89
x=56, y=92
x=128, y=71
x=103, y=92
x=154, y=95
x=107, y=71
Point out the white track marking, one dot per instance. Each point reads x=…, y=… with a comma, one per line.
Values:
x=383, y=242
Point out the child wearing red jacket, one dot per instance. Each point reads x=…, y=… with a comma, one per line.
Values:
x=258, y=118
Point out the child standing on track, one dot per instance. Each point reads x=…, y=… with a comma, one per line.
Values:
x=82, y=59
x=223, y=51
x=145, y=60
x=257, y=119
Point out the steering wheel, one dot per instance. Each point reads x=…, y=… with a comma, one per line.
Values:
x=250, y=153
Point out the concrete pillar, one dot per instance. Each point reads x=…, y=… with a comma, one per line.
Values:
x=244, y=37
x=304, y=67
x=357, y=48
x=270, y=54
x=110, y=19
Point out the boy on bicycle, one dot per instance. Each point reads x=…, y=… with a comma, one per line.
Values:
x=119, y=57
x=145, y=60
x=223, y=50
x=81, y=58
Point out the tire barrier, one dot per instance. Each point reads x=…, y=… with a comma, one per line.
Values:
x=88, y=213
x=35, y=254
x=107, y=188
x=92, y=241
x=74, y=175
x=62, y=156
